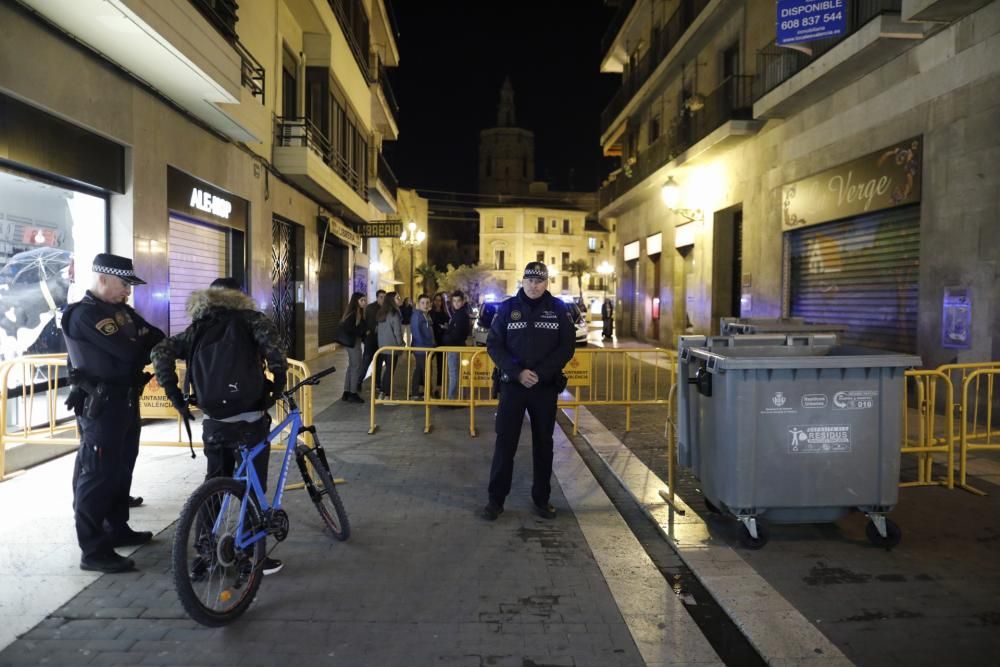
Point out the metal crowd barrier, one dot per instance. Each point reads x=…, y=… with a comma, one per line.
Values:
x=626, y=377
x=41, y=418
x=977, y=432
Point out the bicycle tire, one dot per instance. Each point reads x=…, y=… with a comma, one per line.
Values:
x=244, y=568
x=324, y=495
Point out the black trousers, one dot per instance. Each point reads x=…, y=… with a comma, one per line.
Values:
x=540, y=403
x=109, y=445
x=222, y=443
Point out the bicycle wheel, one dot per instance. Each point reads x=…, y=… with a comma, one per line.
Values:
x=324, y=494
x=216, y=580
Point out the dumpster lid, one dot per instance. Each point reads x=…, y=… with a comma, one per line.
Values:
x=801, y=356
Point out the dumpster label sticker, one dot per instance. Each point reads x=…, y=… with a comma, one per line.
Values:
x=819, y=439
x=814, y=401
x=778, y=404
x=855, y=400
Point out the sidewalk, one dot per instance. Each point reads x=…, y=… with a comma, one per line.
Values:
x=421, y=581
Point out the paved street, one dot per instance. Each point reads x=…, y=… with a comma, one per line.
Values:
x=423, y=580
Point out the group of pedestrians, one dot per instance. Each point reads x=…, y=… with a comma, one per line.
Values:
x=388, y=322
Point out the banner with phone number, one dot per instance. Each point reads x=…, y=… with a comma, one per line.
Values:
x=807, y=20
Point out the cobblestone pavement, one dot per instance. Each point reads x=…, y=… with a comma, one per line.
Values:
x=935, y=599
x=421, y=581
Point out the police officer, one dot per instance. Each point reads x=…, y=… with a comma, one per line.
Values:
x=530, y=341
x=108, y=344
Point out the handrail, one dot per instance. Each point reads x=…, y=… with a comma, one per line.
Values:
x=251, y=71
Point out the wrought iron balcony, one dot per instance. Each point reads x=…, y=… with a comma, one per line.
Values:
x=301, y=132
x=662, y=42
x=251, y=71
x=731, y=100
x=386, y=176
x=354, y=22
x=221, y=14
x=616, y=24
x=777, y=64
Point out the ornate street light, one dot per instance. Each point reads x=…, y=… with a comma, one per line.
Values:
x=411, y=238
x=671, y=194
x=605, y=270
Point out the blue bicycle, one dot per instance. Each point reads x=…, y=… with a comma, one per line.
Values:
x=218, y=548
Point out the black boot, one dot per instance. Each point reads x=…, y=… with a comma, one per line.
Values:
x=346, y=396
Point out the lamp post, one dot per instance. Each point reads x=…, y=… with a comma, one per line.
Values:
x=670, y=192
x=411, y=238
x=605, y=270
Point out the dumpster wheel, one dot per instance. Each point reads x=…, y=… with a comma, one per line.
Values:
x=892, y=535
x=750, y=525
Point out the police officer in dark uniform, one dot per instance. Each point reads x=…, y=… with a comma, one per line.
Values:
x=109, y=345
x=531, y=339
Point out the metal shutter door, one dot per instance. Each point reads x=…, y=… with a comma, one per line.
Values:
x=197, y=257
x=861, y=273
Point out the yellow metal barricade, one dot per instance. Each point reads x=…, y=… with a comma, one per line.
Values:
x=31, y=384
x=934, y=396
x=977, y=431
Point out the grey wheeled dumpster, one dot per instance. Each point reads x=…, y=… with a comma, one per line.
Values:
x=730, y=326
x=799, y=430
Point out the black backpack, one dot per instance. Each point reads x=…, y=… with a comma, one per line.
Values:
x=225, y=367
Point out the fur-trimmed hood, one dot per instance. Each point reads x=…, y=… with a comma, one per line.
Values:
x=201, y=302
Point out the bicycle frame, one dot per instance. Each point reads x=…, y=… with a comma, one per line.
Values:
x=247, y=473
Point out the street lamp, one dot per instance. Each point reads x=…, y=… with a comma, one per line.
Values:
x=411, y=238
x=671, y=194
x=605, y=270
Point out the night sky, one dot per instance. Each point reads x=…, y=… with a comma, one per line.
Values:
x=454, y=55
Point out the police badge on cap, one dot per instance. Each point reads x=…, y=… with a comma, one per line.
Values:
x=536, y=271
x=114, y=265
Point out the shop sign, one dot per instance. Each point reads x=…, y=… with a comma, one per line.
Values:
x=881, y=180
x=956, y=318
x=477, y=368
x=154, y=403
x=192, y=196
x=631, y=251
x=807, y=20
x=344, y=233
x=578, y=370
x=381, y=229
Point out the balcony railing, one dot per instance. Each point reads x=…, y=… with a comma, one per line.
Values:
x=382, y=77
x=777, y=64
x=662, y=43
x=616, y=24
x=732, y=100
x=386, y=176
x=221, y=14
x=302, y=132
x=251, y=71
x=354, y=22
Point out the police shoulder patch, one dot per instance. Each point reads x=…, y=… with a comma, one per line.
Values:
x=107, y=326
x=515, y=315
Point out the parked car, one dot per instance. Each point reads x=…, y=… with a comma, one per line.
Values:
x=487, y=311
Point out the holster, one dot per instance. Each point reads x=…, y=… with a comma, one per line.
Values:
x=94, y=404
x=495, y=377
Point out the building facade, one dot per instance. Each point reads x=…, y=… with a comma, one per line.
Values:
x=200, y=142
x=512, y=236
x=846, y=181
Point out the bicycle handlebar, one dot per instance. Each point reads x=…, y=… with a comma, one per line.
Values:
x=312, y=380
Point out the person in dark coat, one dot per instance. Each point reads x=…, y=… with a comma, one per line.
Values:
x=607, y=318
x=423, y=336
x=456, y=335
x=371, y=341
x=108, y=344
x=439, y=323
x=531, y=340
x=354, y=327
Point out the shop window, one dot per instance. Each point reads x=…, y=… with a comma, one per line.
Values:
x=48, y=238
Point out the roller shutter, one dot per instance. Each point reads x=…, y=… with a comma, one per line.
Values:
x=861, y=273
x=198, y=255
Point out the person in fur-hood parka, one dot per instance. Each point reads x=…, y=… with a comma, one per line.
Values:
x=202, y=305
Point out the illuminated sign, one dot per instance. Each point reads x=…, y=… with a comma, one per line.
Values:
x=654, y=244
x=631, y=251
x=381, y=229
x=209, y=203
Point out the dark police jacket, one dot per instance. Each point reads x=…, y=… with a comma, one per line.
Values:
x=107, y=342
x=534, y=337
